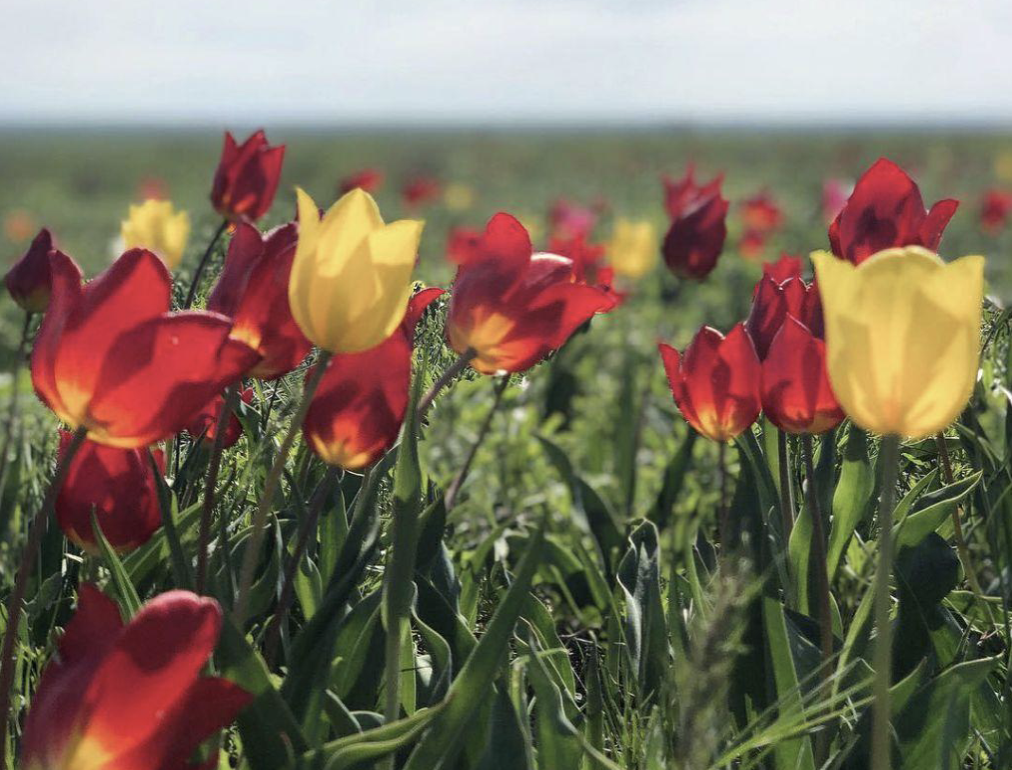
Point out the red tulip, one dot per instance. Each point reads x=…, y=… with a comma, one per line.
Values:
x=761, y=213
x=462, y=243
x=513, y=307
x=361, y=401
x=568, y=220
x=698, y=228
x=204, y=425
x=421, y=191
x=715, y=382
x=587, y=257
x=796, y=394
x=126, y=697
x=29, y=281
x=788, y=266
x=253, y=291
x=247, y=178
x=886, y=210
x=111, y=358
x=752, y=244
x=368, y=179
x=118, y=485
x=772, y=302
x=994, y=210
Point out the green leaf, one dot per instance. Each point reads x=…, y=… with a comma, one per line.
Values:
x=126, y=594
x=853, y=496
x=931, y=510
x=558, y=744
x=508, y=746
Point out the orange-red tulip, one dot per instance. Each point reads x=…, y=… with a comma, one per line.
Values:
x=715, y=383
x=126, y=697
x=110, y=358
x=247, y=178
x=368, y=179
x=462, y=243
x=362, y=398
x=29, y=281
x=253, y=291
x=698, y=227
x=994, y=210
x=118, y=485
x=588, y=258
x=513, y=307
x=204, y=425
x=796, y=394
x=884, y=211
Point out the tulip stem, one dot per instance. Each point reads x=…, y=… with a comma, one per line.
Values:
x=249, y=561
x=458, y=480
x=444, y=379
x=786, y=488
x=723, y=515
x=306, y=529
x=881, y=748
x=12, y=407
x=213, y=465
x=26, y=564
x=957, y=524
x=817, y=559
x=195, y=283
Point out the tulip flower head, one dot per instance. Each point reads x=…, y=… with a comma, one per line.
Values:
x=253, y=291
x=698, y=226
x=156, y=226
x=351, y=278
x=130, y=696
x=368, y=179
x=788, y=266
x=587, y=257
x=567, y=219
x=204, y=425
x=995, y=209
x=796, y=394
x=715, y=383
x=110, y=358
x=117, y=486
x=360, y=403
x=884, y=211
x=773, y=302
x=29, y=281
x=420, y=191
x=902, y=337
x=511, y=307
x=246, y=178
x=632, y=251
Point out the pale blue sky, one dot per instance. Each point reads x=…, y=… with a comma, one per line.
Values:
x=493, y=61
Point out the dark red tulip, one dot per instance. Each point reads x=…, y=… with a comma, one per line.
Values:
x=421, y=191
x=698, y=226
x=772, y=302
x=110, y=358
x=247, y=178
x=513, y=307
x=131, y=696
x=715, y=383
x=253, y=291
x=569, y=220
x=788, y=266
x=204, y=425
x=796, y=394
x=29, y=280
x=361, y=400
x=886, y=210
x=368, y=179
x=118, y=485
x=462, y=243
x=994, y=210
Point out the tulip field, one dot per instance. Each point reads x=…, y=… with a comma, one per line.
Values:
x=506, y=451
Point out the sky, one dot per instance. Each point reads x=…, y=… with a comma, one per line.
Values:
x=515, y=62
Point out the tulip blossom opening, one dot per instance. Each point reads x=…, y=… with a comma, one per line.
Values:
x=715, y=382
x=130, y=695
x=788, y=266
x=110, y=358
x=29, y=281
x=157, y=226
x=512, y=307
x=902, y=337
x=246, y=178
x=698, y=228
x=773, y=302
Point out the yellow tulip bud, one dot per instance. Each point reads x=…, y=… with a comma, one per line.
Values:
x=351, y=277
x=902, y=337
x=633, y=249
x=156, y=226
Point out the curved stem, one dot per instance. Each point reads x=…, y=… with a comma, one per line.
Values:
x=881, y=758
x=228, y=405
x=723, y=522
x=192, y=293
x=786, y=488
x=12, y=407
x=957, y=523
x=26, y=565
x=458, y=480
x=452, y=371
x=288, y=587
x=249, y=561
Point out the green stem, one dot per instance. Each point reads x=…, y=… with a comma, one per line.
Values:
x=26, y=564
x=192, y=293
x=881, y=747
x=723, y=514
x=957, y=523
x=786, y=488
x=458, y=480
x=249, y=561
x=228, y=405
x=452, y=371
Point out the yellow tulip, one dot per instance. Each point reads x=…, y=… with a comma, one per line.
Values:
x=633, y=249
x=155, y=225
x=458, y=197
x=351, y=277
x=902, y=337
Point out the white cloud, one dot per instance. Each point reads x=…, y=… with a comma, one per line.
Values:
x=516, y=60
